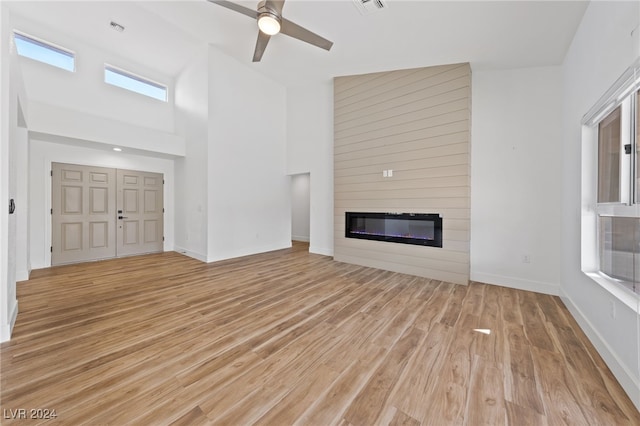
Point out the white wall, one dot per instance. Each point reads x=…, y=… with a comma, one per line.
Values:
x=81, y=105
x=310, y=150
x=85, y=90
x=5, y=303
x=606, y=43
x=21, y=152
x=69, y=123
x=192, y=114
x=43, y=153
x=300, y=198
x=516, y=173
x=249, y=194
x=11, y=159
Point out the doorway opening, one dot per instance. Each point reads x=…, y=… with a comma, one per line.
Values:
x=300, y=208
x=100, y=213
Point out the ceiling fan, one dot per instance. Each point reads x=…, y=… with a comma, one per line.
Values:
x=271, y=22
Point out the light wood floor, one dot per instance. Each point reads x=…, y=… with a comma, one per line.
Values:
x=289, y=337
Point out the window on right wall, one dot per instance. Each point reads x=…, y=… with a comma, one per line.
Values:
x=611, y=189
x=134, y=83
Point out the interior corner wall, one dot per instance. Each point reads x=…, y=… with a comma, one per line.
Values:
x=310, y=150
x=300, y=201
x=19, y=141
x=192, y=115
x=21, y=145
x=515, y=175
x=416, y=123
x=249, y=199
x=8, y=179
x=606, y=43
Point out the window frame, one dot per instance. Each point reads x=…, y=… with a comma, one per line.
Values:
x=624, y=95
x=52, y=47
x=606, y=166
x=136, y=78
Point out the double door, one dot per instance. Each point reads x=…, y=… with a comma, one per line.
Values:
x=100, y=213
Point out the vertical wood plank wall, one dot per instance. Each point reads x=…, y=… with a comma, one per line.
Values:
x=417, y=123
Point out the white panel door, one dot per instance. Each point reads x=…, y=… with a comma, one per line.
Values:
x=83, y=202
x=140, y=212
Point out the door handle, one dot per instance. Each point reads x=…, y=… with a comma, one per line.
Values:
x=123, y=217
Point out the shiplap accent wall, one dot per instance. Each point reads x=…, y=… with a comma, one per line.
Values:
x=417, y=123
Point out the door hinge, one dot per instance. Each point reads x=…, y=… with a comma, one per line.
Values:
x=51, y=249
x=627, y=149
x=51, y=211
x=163, y=181
x=162, y=238
x=163, y=210
x=51, y=173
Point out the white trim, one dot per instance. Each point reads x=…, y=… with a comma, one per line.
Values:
x=320, y=250
x=517, y=283
x=625, y=377
x=300, y=238
x=628, y=82
x=251, y=251
x=138, y=77
x=135, y=77
x=22, y=275
x=7, y=329
x=625, y=296
x=198, y=256
x=47, y=44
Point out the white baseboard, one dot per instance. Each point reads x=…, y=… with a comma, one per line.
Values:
x=251, y=251
x=628, y=381
x=198, y=256
x=300, y=238
x=7, y=329
x=320, y=250
x=517, y=283
x=22, y=275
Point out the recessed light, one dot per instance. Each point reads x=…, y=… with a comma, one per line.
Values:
x=117, y=149
x=119, y=28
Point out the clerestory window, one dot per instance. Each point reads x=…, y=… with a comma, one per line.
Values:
x=43, y=51
x=135, y=83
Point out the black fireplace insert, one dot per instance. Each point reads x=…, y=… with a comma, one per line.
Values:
x=423, y=229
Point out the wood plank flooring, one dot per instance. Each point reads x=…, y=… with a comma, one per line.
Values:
x=289, y=337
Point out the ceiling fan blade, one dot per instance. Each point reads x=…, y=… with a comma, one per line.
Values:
x=261, y=44
x=236, y=7
x=296, y=31
x=275, y=5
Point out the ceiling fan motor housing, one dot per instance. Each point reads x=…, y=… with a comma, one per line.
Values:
x=269, y=20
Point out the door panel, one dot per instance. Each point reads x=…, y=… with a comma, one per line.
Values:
x=140, y=201
x=83, y=213
x=87, y=202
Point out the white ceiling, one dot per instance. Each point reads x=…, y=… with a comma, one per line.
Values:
x=165, y=35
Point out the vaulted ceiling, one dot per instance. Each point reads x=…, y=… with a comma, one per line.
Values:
x=165, y=35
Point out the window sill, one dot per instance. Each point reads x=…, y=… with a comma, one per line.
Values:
x=628, y=297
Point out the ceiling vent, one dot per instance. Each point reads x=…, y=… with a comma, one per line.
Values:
x=119, y=28
x=367, y=7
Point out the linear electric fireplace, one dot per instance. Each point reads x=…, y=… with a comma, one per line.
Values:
x=407, y=228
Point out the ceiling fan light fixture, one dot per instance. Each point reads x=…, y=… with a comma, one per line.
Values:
x=269, y=23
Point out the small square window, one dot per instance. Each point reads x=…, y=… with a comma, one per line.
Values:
x=39, y=50
x=134, y=83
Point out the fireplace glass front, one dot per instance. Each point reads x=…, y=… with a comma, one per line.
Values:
x=407, y=228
